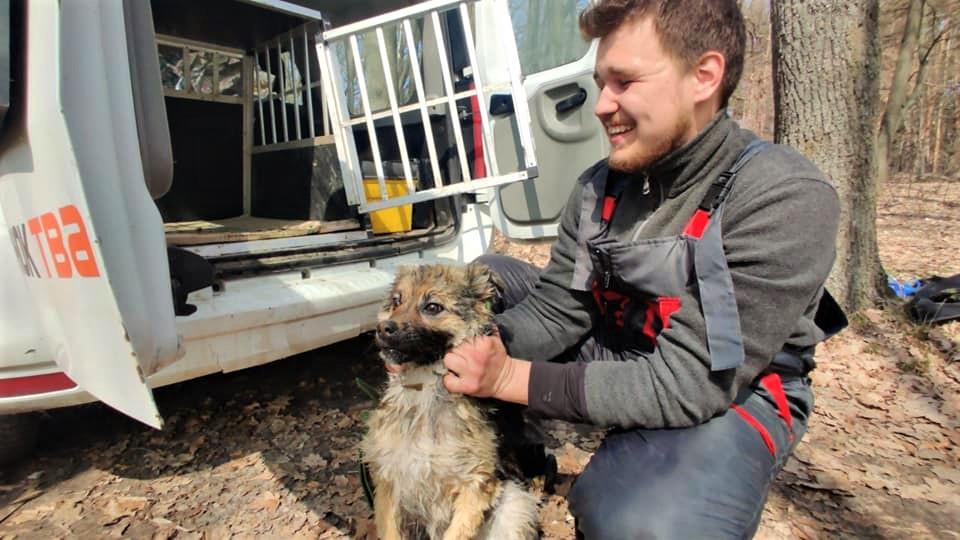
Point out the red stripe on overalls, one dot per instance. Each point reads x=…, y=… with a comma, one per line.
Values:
x=609, y=204
x=772, y=383
x=764, y=434
x=774, y=386
x=697, y=224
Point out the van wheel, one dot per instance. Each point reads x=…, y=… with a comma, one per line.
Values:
x=18, y=436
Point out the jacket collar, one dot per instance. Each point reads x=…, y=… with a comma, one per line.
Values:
x=684, y=167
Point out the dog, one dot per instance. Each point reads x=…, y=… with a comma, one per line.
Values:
x=433, y=455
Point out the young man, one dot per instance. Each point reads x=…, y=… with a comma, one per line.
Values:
x=680, y=303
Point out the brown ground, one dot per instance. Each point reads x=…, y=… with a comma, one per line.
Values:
x=270, y=451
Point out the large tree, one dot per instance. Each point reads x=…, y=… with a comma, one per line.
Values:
x=826, y=92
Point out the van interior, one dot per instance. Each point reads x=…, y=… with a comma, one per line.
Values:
x=257, y=183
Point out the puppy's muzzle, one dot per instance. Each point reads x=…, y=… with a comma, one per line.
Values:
x=400, y=343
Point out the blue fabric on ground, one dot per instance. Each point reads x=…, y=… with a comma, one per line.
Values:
x=904, y=289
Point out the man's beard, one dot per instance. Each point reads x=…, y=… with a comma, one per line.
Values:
x=636, y=159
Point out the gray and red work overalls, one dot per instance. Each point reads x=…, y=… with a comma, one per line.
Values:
x=659, y=270
x=706, y=481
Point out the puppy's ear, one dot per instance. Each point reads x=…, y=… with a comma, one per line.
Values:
x=402, y=274
x=486, y=285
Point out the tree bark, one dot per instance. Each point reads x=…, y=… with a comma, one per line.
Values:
x=826, y=90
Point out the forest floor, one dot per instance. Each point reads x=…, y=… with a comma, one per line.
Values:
x=271, y=451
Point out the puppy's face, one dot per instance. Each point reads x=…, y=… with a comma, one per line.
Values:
x=434, y=308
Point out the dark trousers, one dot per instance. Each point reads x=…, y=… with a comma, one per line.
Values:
x=706, y=481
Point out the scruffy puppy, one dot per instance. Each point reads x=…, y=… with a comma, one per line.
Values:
x=433, y=455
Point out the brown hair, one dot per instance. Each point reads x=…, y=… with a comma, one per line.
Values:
x=687, y=29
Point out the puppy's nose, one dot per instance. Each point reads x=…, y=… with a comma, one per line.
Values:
x=387, y=328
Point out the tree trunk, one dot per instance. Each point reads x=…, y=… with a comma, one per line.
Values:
x=826, y=90
x=942, y=97
x=899, y=85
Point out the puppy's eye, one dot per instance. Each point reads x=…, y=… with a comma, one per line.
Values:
x=432, y=308
x=395, y=301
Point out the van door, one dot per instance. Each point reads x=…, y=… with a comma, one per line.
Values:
x=558, y=68
x=399, y=69
x=74, y=198
x=5, y=47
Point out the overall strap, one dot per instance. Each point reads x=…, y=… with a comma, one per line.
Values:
x=719, y=305
x=590, y=227
x=720, y=188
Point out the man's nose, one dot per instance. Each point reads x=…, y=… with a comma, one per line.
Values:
x=606, y=103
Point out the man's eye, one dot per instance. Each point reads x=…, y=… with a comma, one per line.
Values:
x=432, y=308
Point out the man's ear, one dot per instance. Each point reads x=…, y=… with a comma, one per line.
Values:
x=708, y=75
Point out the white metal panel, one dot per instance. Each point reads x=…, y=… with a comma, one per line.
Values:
x=22, y=339
x=74, y=184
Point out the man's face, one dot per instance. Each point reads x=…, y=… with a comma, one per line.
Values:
x=646, y=101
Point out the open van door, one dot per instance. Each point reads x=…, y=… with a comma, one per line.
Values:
x=410, y=54
x=558, y=69
x=74, y=198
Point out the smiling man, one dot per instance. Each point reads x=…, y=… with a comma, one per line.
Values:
x=684, y=296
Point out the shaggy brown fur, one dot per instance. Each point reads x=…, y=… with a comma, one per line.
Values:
x=432, y=454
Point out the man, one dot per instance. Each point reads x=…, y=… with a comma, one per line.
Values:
x=679, y=303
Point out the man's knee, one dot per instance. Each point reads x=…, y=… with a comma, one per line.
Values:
x=648, y=514
x=690, y=483
x=603, y=514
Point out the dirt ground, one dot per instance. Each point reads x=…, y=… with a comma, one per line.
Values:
x=271, y=451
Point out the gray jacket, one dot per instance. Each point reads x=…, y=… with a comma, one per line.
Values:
x=779, y=227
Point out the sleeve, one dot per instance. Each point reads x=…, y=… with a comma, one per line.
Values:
x=552, y=318
x=780, y=246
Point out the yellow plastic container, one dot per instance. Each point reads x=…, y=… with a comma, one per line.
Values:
x=389, y=220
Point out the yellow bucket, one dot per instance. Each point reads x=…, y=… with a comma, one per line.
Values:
x=389, y=220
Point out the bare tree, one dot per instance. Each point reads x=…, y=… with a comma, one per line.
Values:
x=907, y=83
x=826, y=90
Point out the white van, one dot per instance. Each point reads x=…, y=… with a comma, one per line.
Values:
x=189, y=190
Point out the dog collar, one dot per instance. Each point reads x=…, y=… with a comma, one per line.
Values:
x=417, y=379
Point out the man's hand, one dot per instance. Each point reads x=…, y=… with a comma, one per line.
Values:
x=482, y=368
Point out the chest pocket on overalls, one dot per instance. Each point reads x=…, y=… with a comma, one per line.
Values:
x=638, y=285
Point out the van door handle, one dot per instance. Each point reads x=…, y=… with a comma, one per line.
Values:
x=572, y=102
